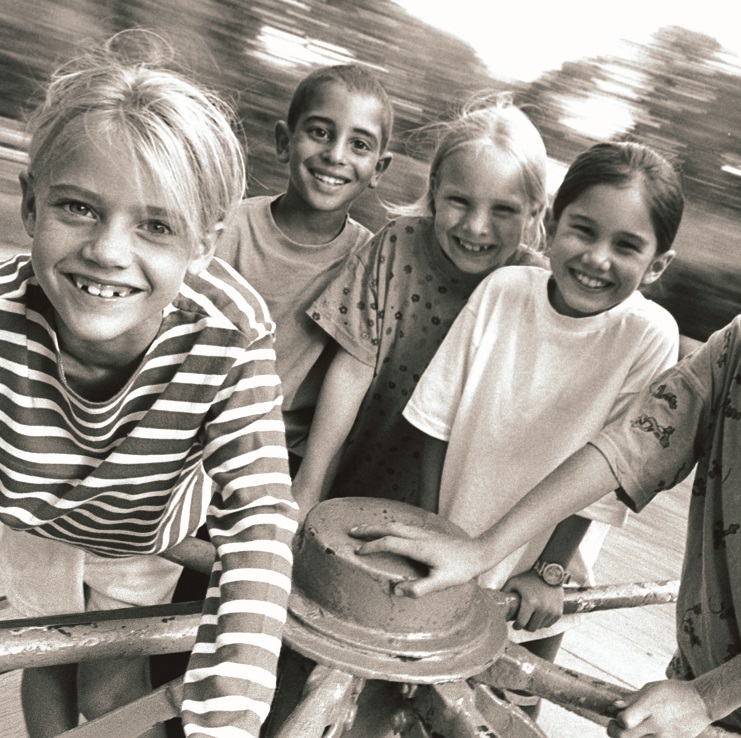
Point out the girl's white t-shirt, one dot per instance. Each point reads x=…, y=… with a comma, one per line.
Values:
x=516, y=388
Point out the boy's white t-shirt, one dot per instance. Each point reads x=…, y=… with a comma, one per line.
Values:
x=516, y=388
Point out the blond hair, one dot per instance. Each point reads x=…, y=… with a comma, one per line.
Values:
x=180, y=133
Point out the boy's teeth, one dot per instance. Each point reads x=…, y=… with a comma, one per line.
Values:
x=329, y=180
x=100, y=290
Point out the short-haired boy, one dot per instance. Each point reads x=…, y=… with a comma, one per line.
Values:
x=290, y=247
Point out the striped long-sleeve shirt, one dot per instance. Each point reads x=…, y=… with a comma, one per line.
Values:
x=125, y=476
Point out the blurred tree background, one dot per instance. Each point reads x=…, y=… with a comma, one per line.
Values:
x=680, y=93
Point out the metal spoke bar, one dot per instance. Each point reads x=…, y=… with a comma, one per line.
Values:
x=327, y=706
x=65, y=639
x=130, y=721
x=454, y=709
x=609, y=597
x=68, y=639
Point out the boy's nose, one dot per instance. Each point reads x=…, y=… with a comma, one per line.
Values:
x=109, y=247
x=336, y=151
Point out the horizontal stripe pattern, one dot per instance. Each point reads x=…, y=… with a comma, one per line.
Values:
x=196, y=434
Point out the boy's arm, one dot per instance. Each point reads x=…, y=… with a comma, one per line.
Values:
x=344, y=387
x=580, y=480
x=431, y=472
x=230, y=679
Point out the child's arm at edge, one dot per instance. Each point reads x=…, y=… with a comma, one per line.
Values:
x=580, y=480
x=677, y=709
x=720, y=688
x=344, y=387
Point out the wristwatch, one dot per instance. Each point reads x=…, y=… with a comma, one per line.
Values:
x=551, y=573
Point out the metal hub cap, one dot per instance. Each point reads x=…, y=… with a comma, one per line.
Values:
x=343, y=612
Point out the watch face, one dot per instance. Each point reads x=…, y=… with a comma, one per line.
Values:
x=553, y=574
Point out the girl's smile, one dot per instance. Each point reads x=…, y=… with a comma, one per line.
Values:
x=481, y=210
x=603, y=250
x=476, y=248
x=106, y=251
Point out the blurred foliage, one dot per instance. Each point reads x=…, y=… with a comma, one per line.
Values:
x=684, y=97
x=681, y=93
x=254, y=54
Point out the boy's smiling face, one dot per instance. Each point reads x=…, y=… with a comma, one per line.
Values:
x=335, y=150
x=106, y=252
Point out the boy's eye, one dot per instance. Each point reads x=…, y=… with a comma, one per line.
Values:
x=629, y=246
x=319, y=133
x=76, y=208
x=362, y=146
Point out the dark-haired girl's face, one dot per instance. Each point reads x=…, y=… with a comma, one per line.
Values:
x=603, y=250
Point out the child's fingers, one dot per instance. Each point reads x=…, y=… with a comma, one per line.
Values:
x=389, y=544
x=638, y=709
x=420, y=587
x=401, y=530
x=631, y=722
x=548, y=620
x=524, y=615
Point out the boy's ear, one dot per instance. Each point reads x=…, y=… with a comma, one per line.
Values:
x=28, y=203
x=282, y=135
x=381, y=166
x=658, y=267
x=205, y=249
